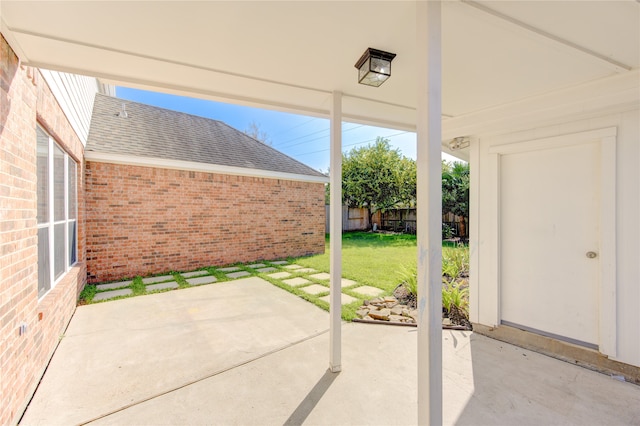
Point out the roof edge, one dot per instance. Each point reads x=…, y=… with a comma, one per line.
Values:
x=163, y=163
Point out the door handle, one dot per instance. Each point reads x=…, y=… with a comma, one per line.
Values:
x=592, y=254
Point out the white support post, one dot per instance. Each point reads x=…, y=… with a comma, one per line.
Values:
x=429, y=213
x=335, y=242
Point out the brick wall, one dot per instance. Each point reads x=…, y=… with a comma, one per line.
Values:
x=143, y=220
x=25, y=100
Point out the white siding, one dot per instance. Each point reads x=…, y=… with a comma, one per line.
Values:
x=75, y=94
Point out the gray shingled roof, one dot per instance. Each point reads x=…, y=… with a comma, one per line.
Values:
x=155, y=132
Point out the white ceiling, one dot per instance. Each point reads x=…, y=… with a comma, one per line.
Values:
x=290, y=56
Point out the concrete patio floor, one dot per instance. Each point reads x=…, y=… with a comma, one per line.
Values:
x=246, y=352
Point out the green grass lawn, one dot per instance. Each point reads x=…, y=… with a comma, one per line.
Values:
x=370, y=258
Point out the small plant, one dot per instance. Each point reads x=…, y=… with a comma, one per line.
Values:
x=454, y=295
x=447, y=231
x=455, y=261
x=409, y=276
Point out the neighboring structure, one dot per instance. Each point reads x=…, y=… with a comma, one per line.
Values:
x=172, y=191
x=42, y=248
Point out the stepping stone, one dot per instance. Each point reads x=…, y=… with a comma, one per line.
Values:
x=321, y=276
x=113, y=285
x=315, y=289
x=238, y=274
x=256, y=265
x=194, y=274
x=154, y=287
x=345, y=299
x=279, y=275
x=152, y=280
x=347, y=283
x=263, y=270
x=292, y=267
x=296, y=281
x=305, y=270
x=279, y=262
x=229, y=269
x=367, y=290
x=111, y=294
x=202, y=280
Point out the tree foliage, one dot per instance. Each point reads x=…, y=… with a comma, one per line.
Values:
x=377, y=177
x=455, y=189
x=257, y=133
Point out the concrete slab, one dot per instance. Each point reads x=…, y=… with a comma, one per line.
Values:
x=278, y=262
x=345, y=299
x=321, y=276
x=484, y=381
x=111, y=294
x=194, y=274
x=347, y=283
x=296, y=281
x=111, y=286
x=367, y=290
x=118, y=353
x=279, y=275
x=238, y=274
x=162, y=286
x=265, y=270
x=292, y=267
x=315, y=289
x=229, y=269
x=306, y=270
x=202, y=280
x=256, y=265
x=151, y=280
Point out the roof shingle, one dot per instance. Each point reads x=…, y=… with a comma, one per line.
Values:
x=154, y=132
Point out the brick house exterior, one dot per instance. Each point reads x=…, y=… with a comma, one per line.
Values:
x=27, y=102
x=172, y=191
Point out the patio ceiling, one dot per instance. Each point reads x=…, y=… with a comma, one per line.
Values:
x=290, y=56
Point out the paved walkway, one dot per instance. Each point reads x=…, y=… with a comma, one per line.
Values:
x=312, y=283
x=244, y=352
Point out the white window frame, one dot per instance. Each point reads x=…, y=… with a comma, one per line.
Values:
x=51, y=223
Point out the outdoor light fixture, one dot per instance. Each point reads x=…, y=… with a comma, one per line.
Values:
x=459, y=143
x=374, y=67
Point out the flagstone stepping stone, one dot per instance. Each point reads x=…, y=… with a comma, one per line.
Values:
x=263, y=270
x=111, y=286
x=194, y=274
x=238, y=274
x=256, y=265
x=321, y=276
x=279, y=262
x=202, y=280
x=345, y=299
x=347, y=283
x=305, y=270
x=111, y=294
x=151, y=280
x=367, y=290
x=280, y=275
x=229, y=269
x=154, y=287
x=292, y=267
x=296, y=281
x=315, y=289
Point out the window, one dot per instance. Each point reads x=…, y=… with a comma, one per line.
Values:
x=57, y=212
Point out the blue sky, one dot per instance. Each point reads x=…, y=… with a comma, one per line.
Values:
x=304, y=138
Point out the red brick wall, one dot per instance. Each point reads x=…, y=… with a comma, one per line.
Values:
x=25, y=100
x=143, y=220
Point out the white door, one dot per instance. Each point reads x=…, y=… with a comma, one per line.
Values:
x=549, y=204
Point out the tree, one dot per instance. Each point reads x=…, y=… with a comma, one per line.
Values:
x=455, y=190
x=257, y=133
x=377, y=177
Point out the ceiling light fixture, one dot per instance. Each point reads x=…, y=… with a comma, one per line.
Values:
x=459, y=143
x=374, y=67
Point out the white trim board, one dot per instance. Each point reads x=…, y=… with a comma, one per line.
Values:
x=163, y=163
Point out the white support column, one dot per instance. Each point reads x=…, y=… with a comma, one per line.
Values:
x=335, y=244
x=429, y=213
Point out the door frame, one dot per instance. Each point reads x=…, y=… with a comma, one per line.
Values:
x=606, y=139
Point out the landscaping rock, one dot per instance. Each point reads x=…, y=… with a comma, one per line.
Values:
x=396, y=310
x=382, y=314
